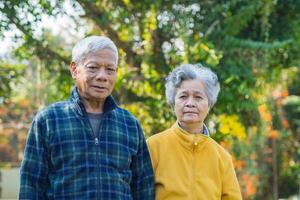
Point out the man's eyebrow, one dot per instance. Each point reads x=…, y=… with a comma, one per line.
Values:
x=91, y=62
x=98, y=64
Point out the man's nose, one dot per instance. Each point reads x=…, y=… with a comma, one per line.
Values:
x=101, y=74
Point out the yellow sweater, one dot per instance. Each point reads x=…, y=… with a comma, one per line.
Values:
x=191, y=167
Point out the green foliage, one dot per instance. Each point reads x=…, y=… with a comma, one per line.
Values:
x=289, y=181
x=234, y=42
x=292, y=109
x=10, y=75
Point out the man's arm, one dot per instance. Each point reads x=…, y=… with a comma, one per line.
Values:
x=142, y=184
x=34, y=168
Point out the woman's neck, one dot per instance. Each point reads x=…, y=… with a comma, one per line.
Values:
x=193, y=128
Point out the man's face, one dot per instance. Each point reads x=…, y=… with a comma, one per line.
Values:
x=95, y=76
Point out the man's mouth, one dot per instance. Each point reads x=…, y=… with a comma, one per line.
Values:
x=99, y=87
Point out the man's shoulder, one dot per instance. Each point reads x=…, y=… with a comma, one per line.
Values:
x=54, y=109
x=121, y=112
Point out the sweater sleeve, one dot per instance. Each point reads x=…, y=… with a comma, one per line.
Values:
x=230, y=185
x=142, y=184
x=34, y=167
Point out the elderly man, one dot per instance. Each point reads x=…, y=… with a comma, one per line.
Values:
x=87, y=147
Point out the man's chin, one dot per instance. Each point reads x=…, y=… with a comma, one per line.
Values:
x=102, y=94
x=99, y=97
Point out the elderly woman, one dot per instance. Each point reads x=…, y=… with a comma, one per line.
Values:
x=188, y=164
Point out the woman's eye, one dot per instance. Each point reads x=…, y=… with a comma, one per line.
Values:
x=198, y=97
x=182, y=97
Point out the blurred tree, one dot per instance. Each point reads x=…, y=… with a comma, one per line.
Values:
x=10, y=76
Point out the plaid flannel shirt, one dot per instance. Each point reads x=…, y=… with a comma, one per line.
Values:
x=64, y=159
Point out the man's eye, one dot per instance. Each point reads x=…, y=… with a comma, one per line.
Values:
x=182, y=96
x=198, y=97
x=111, y=69
x=92, y=67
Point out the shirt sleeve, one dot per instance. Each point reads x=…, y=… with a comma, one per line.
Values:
x=230, y=185
x=34, y=167
x=142, y=184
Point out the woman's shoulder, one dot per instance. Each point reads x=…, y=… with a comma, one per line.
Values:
x=161, y=136
x=219, y=149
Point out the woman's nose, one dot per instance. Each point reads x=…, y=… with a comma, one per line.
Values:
x=190, y=102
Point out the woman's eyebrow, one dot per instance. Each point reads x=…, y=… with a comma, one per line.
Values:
x=199, y=92
x=182, y=91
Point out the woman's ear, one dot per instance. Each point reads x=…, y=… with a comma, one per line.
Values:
x=73, y=70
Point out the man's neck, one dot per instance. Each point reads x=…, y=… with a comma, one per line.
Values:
x=93, y=106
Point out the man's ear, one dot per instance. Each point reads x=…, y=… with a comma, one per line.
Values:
x=73, y=70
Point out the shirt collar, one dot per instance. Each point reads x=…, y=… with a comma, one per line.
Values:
x=192, y=142
x=205, y=130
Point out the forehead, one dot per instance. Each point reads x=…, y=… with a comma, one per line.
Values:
x=106, y=56
x=194, y=85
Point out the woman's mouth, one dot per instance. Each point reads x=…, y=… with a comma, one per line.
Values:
x=190, y=112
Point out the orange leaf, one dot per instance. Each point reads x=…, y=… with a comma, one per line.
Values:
x=285, y=123
x=273, y=134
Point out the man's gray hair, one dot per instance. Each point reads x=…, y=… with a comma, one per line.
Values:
x=92, y=44
x=192, y=72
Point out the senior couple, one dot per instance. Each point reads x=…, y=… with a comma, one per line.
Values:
x=87, y=147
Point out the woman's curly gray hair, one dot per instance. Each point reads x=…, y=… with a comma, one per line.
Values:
x=192, y=72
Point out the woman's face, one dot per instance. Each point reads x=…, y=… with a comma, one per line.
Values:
x=191, y=103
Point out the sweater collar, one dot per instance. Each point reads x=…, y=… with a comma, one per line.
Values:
x=109, y=103
x=190, y=141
